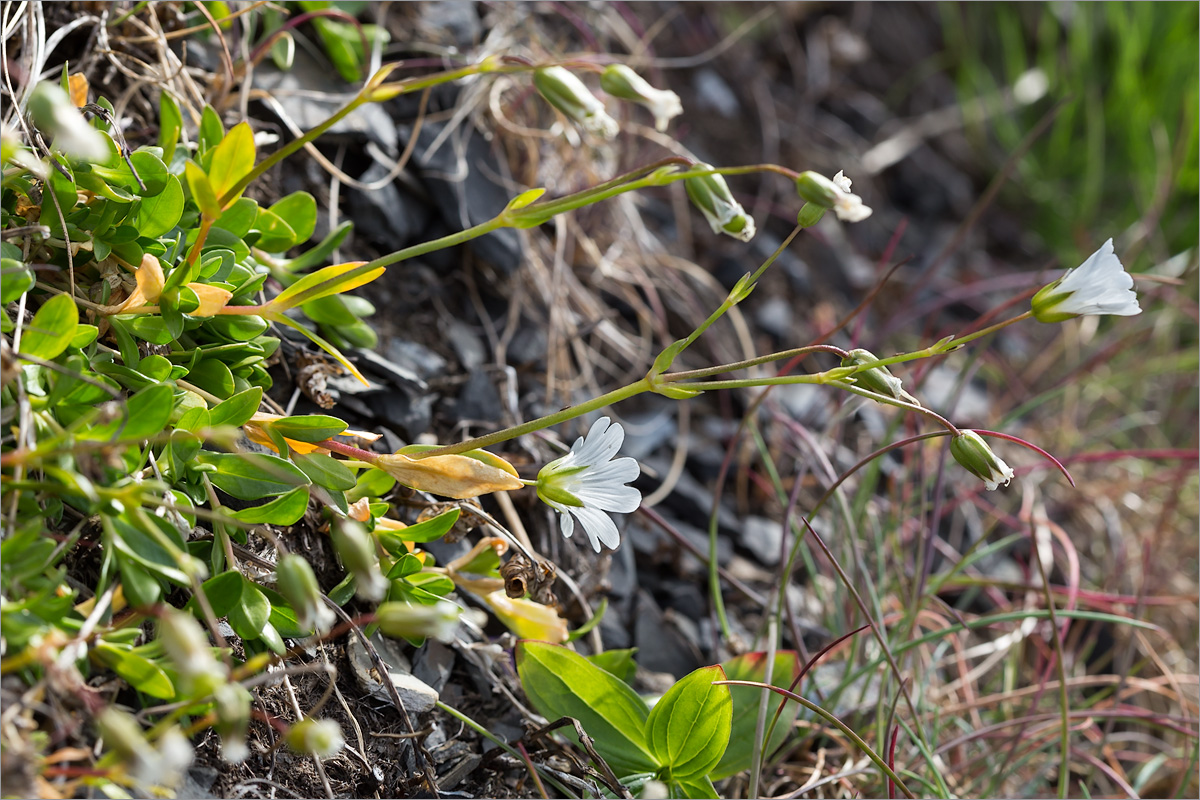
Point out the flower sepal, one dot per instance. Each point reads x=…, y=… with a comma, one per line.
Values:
x=973, y=454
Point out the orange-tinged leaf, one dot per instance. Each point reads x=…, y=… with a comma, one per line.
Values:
x=212, y=299
x=527, y=619
x=77, y=86
x=324, y=282
x=454, y=476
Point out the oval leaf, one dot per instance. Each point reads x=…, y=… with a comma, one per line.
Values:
x=232, y=159
x=285, y=510
x=561, y=683
x=688, y=729
x=141, y=673
x=752, y=667
x=252, y=476
x=309, y=428
x=52, y=328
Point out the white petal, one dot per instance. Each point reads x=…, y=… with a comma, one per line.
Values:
x=599, y=527
x=624, y=499
x=841, y=181
x=565, y=522
x=619, y=470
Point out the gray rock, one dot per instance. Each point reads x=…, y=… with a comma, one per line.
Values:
x=467, y=345
x=454, y=24
x=416, y=695
x=714, y=94
x=775, y=317
x=762, y=536
x=416, y=358
x=387, y=216
x=433, y=663
x=528, y=346
x=661, y=646
x=479, y=400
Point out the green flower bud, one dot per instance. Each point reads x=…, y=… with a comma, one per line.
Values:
x=567, y=93
x=316, y=737
x=620, y=81
x=810, y=214
x=417, y=621
x=711, y=195
x=356, y=549
x=972, y=452
x=233, y=720
x=816, y=188
x=297, y=583
x=123, y=735
x=878, y=379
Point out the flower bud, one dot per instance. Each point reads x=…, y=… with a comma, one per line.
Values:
x=298, y=585
x=123, y=735
x=316, y=737
x=810, y=214
x=233, y=720
x=832, y=194
x=417, y=621
x=567, y=93
x=972, y=452
x=621, y=81
x=55, y=114
x=877, y=379
x=188, y=648
x=356, y=548
x=711, y=195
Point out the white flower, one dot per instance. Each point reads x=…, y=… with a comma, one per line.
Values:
x=620, y=81
x=972, y=452
x=588, y=482
x=848, y=207
x=1099, y=285
x=567, y=93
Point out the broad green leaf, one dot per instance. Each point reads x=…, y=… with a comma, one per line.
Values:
x=232, y=160
x=213, y=376
x=222, y=591
x=428, y=530
x=283, y=616
x=325, y=471
x=270, y=636
x=618, y=662
x=15, y=280
x=237, y=410
x=202, y=190
x=141, y=589
x=252, y=476
x=141, y=673
x=236, y=327
x=371, y=483
x=561, y=683
x=211, y=130
x=318, y=254
x=62, y=189
x=752, y=667
x=170, y=123
x=688, y=729
x=249, y=616
x=52, y=328
x=405, y=565
x=323, y=282
x=299, y=211
x=275, y=235
x=239, y=216
x=699, y=788
x=284, y=510
x=146, y=414
x=309, y=428
x=84, y=335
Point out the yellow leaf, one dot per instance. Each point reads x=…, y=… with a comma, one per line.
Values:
x=212, y=299
x=454, y=476
x=78, y=86
x=527, y=619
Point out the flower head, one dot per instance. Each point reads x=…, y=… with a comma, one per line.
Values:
x=725, y=215
x=567, y=93
x=1099, y=285
x=877, y=379
x=972, y=452
x=588, y=482
x=620, y=81
x=835, y=194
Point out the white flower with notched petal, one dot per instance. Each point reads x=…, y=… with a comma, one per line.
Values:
x=1099, y=285
x=588, y=482
x=823, y=194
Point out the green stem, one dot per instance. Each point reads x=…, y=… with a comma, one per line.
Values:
x=752, y=362
x=625, y=392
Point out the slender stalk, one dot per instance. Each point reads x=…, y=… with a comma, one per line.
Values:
x=752, y=362
x=625, y=392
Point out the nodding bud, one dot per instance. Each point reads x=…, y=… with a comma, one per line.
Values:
x=810, y=214
x=725, y=215
x=832, y=194
x=187, y=646
x=233, y=720
x=417, y=621
x=55, y=114
x=877, y=379
x=316, y=737
x=123, y=735
x=356, y=548
x=298, y=585
x=972, y=452
x=620, y=81
x=567, y=93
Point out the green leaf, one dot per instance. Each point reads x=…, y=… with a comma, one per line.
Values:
x=371, y=483
x=232, y=160
x=249, y=617
x=213, y=376
x=52, y=328
x=319, y=253
x=407, y=564
x=299, y=211
x=688, y=729
x=427, y=530
x=325, y=471
x=203, y=194
x=141, y=589
x=15, y=280
x=237, y=410
x=211, y=130
x=619, y=662
x=311, y=428
x=284, y=510
x=146, y=414
x=275, y=235
x=170, y=123
x=84, y=335
x=141, y=673
x=223, y=592
x=700, y=788
x=323, y=282
x=752, y=667
x=252, y=476
x=322, y=343
x=561, y=683
x=239, y=217
x=271, y=637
